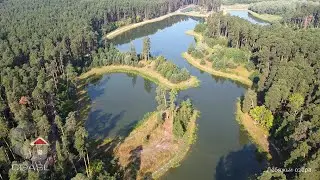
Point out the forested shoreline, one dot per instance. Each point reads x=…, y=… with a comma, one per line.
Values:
x=213, y=56
x=44, y=46
x=284, y=98
x=296, y=13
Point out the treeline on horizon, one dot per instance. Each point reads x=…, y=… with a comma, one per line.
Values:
x=44, y=46
x=285, y=97
x=296, y=13
x=231, y=2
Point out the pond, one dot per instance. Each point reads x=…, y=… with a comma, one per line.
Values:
x=222, y=150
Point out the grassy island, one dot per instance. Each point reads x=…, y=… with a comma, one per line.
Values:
x=217, y=59
x=157, y=69
x=147, y=71
x=159, y=141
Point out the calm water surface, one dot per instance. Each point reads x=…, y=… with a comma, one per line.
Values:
x=246, y=15
x=222, y=149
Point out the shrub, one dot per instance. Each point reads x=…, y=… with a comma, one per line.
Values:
x=237, y=55
x=231, y=65
x=170, y=71
x=218, y=65
x=191, y=48
x=250, y=66
x=203, y=62
x=254, y=77
x=263, y=116
x=178, y=129
x=197, y=54
x=182, y=118
x=211, y=42
x=200, y=28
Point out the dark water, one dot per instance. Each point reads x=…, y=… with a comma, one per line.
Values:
x=246, y=15
x=222, y=149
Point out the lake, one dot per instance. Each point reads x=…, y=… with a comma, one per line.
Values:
x=246, y=15
x=222, y=150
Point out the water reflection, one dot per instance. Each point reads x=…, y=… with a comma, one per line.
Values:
x=240, y=165
x=149, y=29
x=118, y=102
x=218, y=131
x=148, y=85
x=246, y=15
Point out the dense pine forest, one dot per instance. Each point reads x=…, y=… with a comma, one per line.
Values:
x=296, y=13
x=44, y=46
x=285, y=95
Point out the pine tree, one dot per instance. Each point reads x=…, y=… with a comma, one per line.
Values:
x=146, y=48
x=80, y=145
x=133, y=53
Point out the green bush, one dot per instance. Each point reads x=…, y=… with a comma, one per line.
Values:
x=178, y=130
x=263, y=116
x=170, y=71
x=182, y=118
x=218, y=65
x=203, y=62
x=200, y=28
x=191, y=48
x=211, y=42
x=254, y=77
x=250, y=66
x=197, y=54
x=237, y=55
x=231, y=65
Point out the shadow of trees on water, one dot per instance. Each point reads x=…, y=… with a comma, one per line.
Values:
x=101, y=125
x=241, y=165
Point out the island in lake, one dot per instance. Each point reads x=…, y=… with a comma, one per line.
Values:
x=159, y=141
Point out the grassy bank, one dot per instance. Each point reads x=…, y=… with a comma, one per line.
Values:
x=126, y=28
x=266, y=17
x=239, y=74
x=151, y=149
x=258, y=134
x=146, y=72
